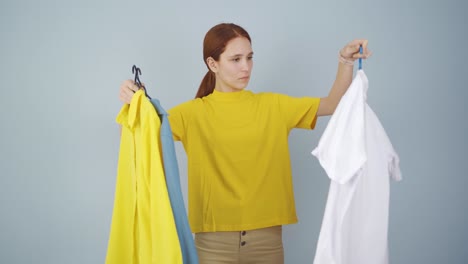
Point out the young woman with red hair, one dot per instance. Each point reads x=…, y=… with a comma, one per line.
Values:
x=239, y=171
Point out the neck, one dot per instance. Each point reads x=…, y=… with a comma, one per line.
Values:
x=227, y=90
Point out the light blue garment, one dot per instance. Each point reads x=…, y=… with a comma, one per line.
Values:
x=171, y=170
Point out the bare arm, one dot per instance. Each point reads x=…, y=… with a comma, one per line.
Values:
x=344, y=76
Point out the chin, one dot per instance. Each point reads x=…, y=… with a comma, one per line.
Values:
x=237, y=87
x=242, y=86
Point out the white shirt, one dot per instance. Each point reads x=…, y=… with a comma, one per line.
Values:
x=359, y=159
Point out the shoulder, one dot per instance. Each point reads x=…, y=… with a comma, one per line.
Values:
x=273, y=98
x=268, y=96
x=187, y=106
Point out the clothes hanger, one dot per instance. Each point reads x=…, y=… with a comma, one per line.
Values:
x=360, y=59
x=138, y=83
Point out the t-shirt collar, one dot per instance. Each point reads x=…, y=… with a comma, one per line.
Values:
x=228, y=96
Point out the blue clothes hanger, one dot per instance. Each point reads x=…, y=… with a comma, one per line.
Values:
x=138, y=83
x=360, y=59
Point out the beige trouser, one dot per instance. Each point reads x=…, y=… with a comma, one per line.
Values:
x=259, y=246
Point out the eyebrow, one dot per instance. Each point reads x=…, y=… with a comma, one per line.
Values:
x=240, y=55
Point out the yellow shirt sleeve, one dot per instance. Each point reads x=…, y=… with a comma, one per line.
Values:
x=179, y=117
x=298, y=112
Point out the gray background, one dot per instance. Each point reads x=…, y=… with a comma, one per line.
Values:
x=61, y=64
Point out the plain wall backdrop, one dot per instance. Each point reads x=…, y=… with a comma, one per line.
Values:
x=62, y=62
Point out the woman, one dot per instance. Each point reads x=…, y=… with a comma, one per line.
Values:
x=240, y=186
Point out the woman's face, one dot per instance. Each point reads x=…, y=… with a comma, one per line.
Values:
x=234, y=66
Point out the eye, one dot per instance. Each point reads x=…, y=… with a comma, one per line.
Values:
x=236, y=59
x=250, y=58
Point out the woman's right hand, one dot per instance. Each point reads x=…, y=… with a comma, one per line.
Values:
x=127, y=90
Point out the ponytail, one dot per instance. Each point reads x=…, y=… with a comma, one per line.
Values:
x=207, y=85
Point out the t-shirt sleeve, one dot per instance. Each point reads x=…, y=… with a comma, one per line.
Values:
x=341, y=149
x=299, y=112
x=179, y=117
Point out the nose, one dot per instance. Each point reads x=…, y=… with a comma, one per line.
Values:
x=246, y=65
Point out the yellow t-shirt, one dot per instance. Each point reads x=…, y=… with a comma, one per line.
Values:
x=143, y=229
x=239, y=171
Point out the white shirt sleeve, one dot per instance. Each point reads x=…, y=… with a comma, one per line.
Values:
x=341, y=150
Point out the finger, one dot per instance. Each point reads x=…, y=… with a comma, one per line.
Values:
x=134, y=88
x=127, y=83
x=366, y=50
x=357, y=43
x=364, y=44
x=128, y=92
x=130, y=84
x=125, y=97
x=349, y=50
x=353, y=47
x=362, y=56
x=127, y=86
x=359, y=56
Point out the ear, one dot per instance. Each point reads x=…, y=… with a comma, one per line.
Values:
x=212, y=64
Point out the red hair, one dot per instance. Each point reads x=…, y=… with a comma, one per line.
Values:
x=214, y=45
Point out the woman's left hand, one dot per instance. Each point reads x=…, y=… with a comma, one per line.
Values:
x=351, y=50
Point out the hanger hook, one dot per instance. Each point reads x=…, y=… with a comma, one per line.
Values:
x=137, y=71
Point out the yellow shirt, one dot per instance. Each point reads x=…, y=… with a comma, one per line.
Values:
x=143, y=228
x=238, y=157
